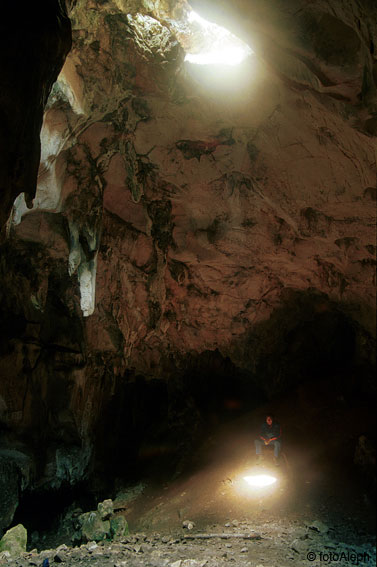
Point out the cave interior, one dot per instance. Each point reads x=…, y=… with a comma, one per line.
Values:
x=185, y=248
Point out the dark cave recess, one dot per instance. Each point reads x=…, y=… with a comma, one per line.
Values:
x=308, y=340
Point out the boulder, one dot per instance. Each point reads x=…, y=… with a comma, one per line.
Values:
x=14, y=541
x=118, y=527
x=105, y=509
x=93, y=528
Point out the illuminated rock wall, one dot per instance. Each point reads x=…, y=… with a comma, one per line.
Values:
x=189, y=226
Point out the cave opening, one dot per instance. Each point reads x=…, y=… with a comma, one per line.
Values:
x=215, y=45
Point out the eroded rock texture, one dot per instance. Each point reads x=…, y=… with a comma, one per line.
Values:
x=34, y=43
x=192, y=240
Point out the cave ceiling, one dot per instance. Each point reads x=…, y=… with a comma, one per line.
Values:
x=178, y=208
x=185, y=205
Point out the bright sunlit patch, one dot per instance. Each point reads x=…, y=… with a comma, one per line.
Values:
x=220, y=46
x=260, y=480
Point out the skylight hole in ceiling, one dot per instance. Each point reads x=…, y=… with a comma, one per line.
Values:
x=214, y=44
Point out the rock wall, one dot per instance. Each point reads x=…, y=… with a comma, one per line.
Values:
x=35, y=40
x=190, y=234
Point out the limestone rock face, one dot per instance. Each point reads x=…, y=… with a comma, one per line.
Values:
x=34, y=41
x=191, y=233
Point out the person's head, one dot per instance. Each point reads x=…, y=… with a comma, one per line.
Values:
x=269, y=419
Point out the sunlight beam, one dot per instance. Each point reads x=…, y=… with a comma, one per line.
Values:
x=221, y=46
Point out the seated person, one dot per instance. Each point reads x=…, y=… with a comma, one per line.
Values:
x=270, y=434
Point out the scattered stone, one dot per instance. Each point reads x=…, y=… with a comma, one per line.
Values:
x=318, y=527
x=14, y=541
x=105, y=509
x=188, y=524
x=91, y=546
x=235, y=523
x=60, y=557
x=150, y=549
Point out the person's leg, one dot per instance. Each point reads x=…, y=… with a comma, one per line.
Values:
x=277, y=448
x=258, y=446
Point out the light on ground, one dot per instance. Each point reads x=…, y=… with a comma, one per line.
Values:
x=260, y=480
x=221, y=47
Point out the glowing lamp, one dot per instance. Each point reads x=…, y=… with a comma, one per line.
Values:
x=260, y=480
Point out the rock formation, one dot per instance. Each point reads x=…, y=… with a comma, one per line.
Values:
x=195, y=239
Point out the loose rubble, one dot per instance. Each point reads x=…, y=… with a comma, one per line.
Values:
x=276, y=542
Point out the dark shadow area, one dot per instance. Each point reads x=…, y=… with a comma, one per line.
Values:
x=132, y=428
x=219, y=388
x=310, y=363
x=308, y=338
x=149, y=428
x=42, y=512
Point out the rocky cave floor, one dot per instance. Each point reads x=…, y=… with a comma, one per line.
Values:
x=320, y=511
x=268, y=542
